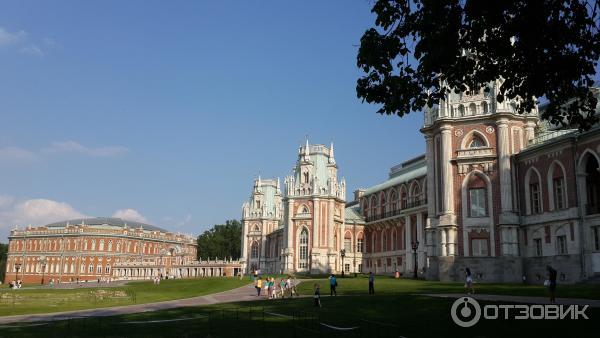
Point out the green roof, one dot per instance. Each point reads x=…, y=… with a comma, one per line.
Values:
x=106, y=221
x=407, y=173
x=352, y=215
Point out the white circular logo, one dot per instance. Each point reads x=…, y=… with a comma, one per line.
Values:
x=465, y=312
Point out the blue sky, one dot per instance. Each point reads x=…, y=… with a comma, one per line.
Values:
x=166, y=111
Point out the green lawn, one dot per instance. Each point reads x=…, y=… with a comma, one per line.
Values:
x=43, y=300
x=394, y=311
x=359, y=285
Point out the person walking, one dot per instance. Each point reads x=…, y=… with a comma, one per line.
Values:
x=317, y=296
x=371, y=283
x=551, y=283
x=469, y=282
x=292, y=285
x=258, y=286
x=332, y=285
x=282, y=287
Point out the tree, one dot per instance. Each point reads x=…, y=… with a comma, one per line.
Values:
x=3, y=257
x=223, y=241
x=422, y=49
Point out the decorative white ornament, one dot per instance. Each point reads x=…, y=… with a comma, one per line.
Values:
x=489, y=129
x=458, y=132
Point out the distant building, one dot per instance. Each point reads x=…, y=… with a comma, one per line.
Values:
x=496, y=191
x=93, y=249
x=304, y=228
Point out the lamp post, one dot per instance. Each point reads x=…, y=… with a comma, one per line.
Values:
x=415, y=246
x=17, y=267
x=343, y=254
x=43, y=262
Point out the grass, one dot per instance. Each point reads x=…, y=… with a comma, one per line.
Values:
x=43, y=300
x=394, y=311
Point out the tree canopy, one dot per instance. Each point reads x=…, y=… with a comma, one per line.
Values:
x=419, y=50
x=222, y=241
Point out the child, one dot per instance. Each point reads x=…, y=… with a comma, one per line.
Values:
x=469, y=282
x=317, y=295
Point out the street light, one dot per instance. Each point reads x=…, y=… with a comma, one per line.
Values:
x=17, y=267
x=415, y=246
x=343, y=254
x=42, y=261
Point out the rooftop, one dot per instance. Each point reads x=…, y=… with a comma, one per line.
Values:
x=106, y=221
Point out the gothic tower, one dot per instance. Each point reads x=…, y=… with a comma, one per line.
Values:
x=472, y=209
x=261, y=217
x=314, y=203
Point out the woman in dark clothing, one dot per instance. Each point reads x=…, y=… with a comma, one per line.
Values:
x=551, y=283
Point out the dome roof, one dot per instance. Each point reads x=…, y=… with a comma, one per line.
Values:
x=106, y=221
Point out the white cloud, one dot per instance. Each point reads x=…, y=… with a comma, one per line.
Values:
x=8, y=38
x=32, y=49
x=35, y=212
x=130, y=215
x=75, y=147
x=16, y=154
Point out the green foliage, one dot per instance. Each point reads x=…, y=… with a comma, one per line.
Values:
x=3, y=255
x=422, y=49
x=222, y=241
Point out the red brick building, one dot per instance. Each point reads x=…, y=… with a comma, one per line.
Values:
x=98, y=248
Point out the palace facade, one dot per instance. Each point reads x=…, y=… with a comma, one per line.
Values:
x=102, y=249
x=496, y=191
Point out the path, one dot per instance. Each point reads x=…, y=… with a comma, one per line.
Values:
x=241, y=294
x=519, y=299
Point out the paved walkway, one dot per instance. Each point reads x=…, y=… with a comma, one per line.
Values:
x=519, y=299
x=241, y=294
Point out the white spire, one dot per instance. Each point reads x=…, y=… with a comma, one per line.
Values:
x=306, y=151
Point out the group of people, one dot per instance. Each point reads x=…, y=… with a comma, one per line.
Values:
x=15, y=284
x=550, y=282
x=274, y=289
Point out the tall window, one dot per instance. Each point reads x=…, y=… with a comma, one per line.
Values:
x=534, y=198
x=91, y=270
x=384, y=242
x=348, y=244
x=306, y=177
x=479, y=247
x=303, y=261
x=394, y=240
x=559, y=193
x=596, y=233
x=561, y=244
x=477, y=202
x=359, y=245
x=537, y=243
x=101, y=245
x=254, y=250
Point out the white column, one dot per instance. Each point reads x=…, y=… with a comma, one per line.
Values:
x=447, y=176
x=408, y=264
x=529, y=132
x=504, y=166
x=452, y=241
x=245, y=255
x=422, y=248
x=315, y=223
x=443, y=241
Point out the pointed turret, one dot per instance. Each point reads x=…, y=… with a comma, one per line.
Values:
x=331, y=157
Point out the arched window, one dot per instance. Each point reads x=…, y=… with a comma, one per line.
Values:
x=110, y=245
x=557, y=187
x=101, y=245
x=403, y=198
x=306, y=177
x=461, y=110
x=365, y=208
x=384, y=241
x=476, y=143
x=254, y=250
x=393, y=201
x=373, y=206
x=477, y=195
x=93, y=244
x=533, y=192
x=473, y=109
x=382, y=202
x=484, y=107
x=592, y=185
x=348, y=242
x=394, y=240
x=303, y=257
x=359, y=243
